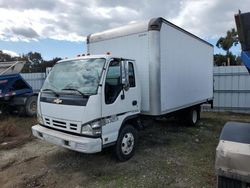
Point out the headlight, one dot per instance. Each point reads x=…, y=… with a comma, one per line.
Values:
x=92, y=129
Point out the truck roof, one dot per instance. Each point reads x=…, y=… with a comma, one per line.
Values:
x=138, y=27
x=92, y=56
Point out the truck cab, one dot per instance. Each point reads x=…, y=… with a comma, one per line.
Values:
x=90, y=102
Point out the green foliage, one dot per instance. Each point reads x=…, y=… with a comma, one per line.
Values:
x=35, y=57
x=221, y=60
x=39, y=65
x=6, y=57
x=226, y=43
x=34, y=61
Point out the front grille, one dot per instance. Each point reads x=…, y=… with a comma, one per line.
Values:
x=59, y=124
x=71, y=126
x=47, y=121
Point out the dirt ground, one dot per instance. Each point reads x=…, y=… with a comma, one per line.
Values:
x=15, y=131
x=169, y=155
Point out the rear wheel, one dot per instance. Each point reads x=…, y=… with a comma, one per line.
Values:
x=126, y=143
x=193, y=116
x=31, y=105
x=224, y=182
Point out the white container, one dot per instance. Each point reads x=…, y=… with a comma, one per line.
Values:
x=175, y=67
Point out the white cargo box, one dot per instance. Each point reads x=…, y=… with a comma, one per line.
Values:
x=175, y=67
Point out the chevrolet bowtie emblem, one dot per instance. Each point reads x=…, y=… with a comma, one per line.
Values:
x=57, y=101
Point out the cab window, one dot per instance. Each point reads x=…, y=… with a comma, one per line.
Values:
x=113, y=84
x=131, y=74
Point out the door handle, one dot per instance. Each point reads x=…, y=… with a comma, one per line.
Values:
x=134, y=103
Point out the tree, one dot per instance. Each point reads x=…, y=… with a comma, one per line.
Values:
x=221, y=60
x=5, y=57
x=35, y=62
x=227, y=42
x=34, y=57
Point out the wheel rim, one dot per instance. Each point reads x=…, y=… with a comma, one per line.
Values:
x=33, y=106
x=127, y=144
x=194, y=116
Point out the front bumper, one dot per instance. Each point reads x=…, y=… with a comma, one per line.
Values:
x=76, y=143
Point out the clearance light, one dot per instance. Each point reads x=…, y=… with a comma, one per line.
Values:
x=108, y=53
x=83, y=54
x=88, y=53
x=78, y=55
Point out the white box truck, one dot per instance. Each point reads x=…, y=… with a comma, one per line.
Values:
x=152, y=69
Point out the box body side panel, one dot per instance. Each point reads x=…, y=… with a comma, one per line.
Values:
x=186, y=70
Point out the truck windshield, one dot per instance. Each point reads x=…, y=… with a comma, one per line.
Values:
x=81, y=75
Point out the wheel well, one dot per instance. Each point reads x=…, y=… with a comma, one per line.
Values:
x=131, y=120
x=196, y=107
x=20, y=100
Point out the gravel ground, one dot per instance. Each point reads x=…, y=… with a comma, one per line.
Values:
x=169, y=155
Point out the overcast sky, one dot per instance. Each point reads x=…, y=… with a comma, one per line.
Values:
x=60, y=27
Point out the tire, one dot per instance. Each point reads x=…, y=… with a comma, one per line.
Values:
x=224, y=182
x=126, y=143
x=193, y=116
x=30, y=106
x=21, y=110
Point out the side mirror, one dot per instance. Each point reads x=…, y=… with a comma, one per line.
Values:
x=125, y=79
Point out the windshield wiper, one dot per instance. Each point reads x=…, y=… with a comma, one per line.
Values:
x=73, y=89
x=55, y=93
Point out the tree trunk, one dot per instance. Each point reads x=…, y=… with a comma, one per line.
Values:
x=228, y=58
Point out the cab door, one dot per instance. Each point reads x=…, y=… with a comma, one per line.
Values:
x=118, y=98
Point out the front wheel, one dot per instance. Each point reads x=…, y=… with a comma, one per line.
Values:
x=126, y=143
x=30, y=106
